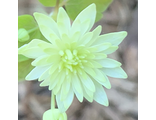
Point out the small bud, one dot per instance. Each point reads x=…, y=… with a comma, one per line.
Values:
x=23, y=35
x=54, y=114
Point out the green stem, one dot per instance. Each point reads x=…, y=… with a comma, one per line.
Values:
x=54, y=16
x=52, y=100
x=33, y=29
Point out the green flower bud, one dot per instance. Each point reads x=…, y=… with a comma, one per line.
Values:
x=23, y=35
x=54, y=114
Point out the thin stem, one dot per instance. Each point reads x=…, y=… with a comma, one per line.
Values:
x=54, y=16
x=63, y=3
x=52, y=100
x=33, y=29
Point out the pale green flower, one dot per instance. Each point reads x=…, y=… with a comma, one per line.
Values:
x=54, y=114
x=75, y=59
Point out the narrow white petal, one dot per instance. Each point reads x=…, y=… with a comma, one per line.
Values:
x=84, y=26
x=36, y=72
x=117, y=72
x=33, y=52
x=76, y=84
x=106, y=83
x=85, y=39
x=100, y=77
x=46, y=21
x=114, y=38
x=57, y=88
x=69, y=99
x=100, y=56
x=88, y=83
x=60, y=103
x=110, y=50
x=22, y=48
x=87, y=13
x=95, y=64
x=100, y=95
x=48, y=34
x=89, y=70
x=103, y=81
x=66, y=85
x=53, y=68
x=40, y=61
x=88, y=94
x=78, y=95
x=96, y=32
x=64, y=105
x=109, y=63
x=75, y=27
x=54, y=79
x=44, y=75
x=101, y=47
x=46, y=82
x=63, y=21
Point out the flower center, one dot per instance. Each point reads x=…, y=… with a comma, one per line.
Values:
x=71, y=61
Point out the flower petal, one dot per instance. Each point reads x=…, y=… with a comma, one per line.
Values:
x=110, y=50
x=89, y=70
x=48, y=22
x=40, y=61
x=95, y=64
x=83, y=29
x=78, y=95
x=100, y=77
x=60, y=103
x=51, y=80
x=36, y=72
x=48, y=34
x=64, y=105
x=85, y=39
x=44, y=75
x=87, y=13
x=117, y=72
x=54, y=79
x=51, y=51
x=59, y=84
x=67, y=102
x=63, y=21
x=32, y=50
x=44, y=45
x=66, y=85
x=109, y=63
x=88, y=83
x=114, y=38
x=100, y=95
x=87, y=94
x=76, y=84
x=101, y=47
x=96, y=33
x=99, y=56
x=106, y=83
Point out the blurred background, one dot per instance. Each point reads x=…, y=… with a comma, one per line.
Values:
x=123, y=96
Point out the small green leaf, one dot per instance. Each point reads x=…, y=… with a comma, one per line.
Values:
x=49, y=3
x=74, y=7
x=24, y=67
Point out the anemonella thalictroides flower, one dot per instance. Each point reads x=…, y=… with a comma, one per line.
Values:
x=74, y=61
